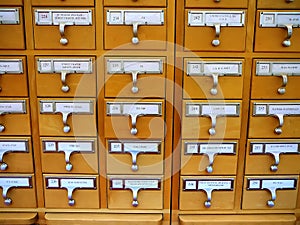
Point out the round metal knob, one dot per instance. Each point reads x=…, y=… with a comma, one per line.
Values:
x=213, y=91
x=215, y=42
x=209, y=169
x=133, y=131
x=271, y=203
x=135, y=203
x=3, y=166
x=286, y=43
x=134, y=168
x=63, y=41
x=281, y=91
x=7, y=201
x=134, y=90
x=67, y=129
x=69, y=166
x=2, y=128
x=65, y=88
x=278, y=130
x=274, y=168
x=135, y=40
x=212, y=131
x=71, y=202
x=207, y=204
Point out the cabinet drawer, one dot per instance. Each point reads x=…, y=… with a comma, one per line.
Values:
x=161, y=3
x=216, y=3
x=63, y=3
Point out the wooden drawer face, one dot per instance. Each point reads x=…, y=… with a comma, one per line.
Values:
x=273, y=156
x=276, y=79
x=11, y=28
x=209, y=157
x=135, y=157
x=161, y=3
x=52, y=31
x=216, y=35
x=135, y=77
x=280, y=119
x=213, y=78
x=11, y=2
x=257, y=192
x=216, y=4
x=282, y=4
x=272, y=31
x=66, y=76
x=120, y=117
x=69, y=155
x=206, y=120
x=67, y=191
x=67, y=117
x=16, y=155
x=63, y=3
x=13, y=76
x=274, y=219
x=135, y=192
x=18, y=191
x=195, y=194
x=149, y=26
x=15, y=117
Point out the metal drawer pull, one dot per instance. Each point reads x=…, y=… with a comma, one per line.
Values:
x=135, y=40
x=287, y=41
x=63, y=39
x=216, y=41
x=278, y=130
x=282, y=89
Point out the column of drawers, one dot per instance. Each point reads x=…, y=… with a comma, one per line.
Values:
x=17, y=179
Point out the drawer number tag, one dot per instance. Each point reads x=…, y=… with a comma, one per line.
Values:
x=69, y=148
x=65, y=67
x=135, y=18
x=66, y=108
x=213, y=111
x=275, y=149
x=277, y=110
x=7, y=183
x=63, y=18
x=9, y=16
x=214, y=70
x=208, y=186
x=287, y=20
x=134, y=110
x=271, y=185
x=217, y=20
x=135, y=67
x=135, y=185
x=211, y=150
x=281, y=69
x=134, y=149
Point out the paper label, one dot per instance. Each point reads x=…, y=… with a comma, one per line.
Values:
x=214, y=184
x=195, y=18
x=141, y=109
x=117, y=184
x=257, y=148
x=260, y=109
x=278, y=184
x=223, y=18
x=144, y=184
x=193, y=110
x=128, y=66
x=263, y=68
x=114, y=109
x=73, y=107
x=277, y=68
x=254, y=184
x=14, y=182
x=75, y=146
x=141, y=147
x=286, y=18
x=279, y=19
x=47, y=107
x=284, y=109
x=190, y=185
x=144, y=17
x=222, y=68
x=13, y=107
x=9, y=16
x=225, y=110
x=217, y=148
x=70, y=183
x=116, y=147
x=282, y=148
x=11, y=66
x=49, y=146
x=69, y=66
x=191, y=148
x=194, y=68
x=14, y=146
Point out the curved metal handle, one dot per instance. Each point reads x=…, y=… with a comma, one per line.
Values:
x=133, y=130
x=134, y=154
x=69, y=165
x=134, y=75
x=71, y=201
x=135, y=40
x=271, y=203
x=3, y=165
x=287, y=41
x=212, y=130
x=207, y=203
x=7, y=200
x=278, y=130
x=211, y=157
x=2, y=128
x=216, y=41
x=282, y=89
x=66, y=128
x=63, y=39
x=274, y=167
x=214, y=90
x=135, y=191
x=63, y=77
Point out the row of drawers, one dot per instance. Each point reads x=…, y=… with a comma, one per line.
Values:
x=204, y=78
x=75, y=28
x=133, y=192
x=261, y=4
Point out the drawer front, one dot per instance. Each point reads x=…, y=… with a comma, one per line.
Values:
x=11, y=2
x=213, y=78
x=16, y=155
x=211, y=120
x=280, y=119
x=15, y=118
x=275, y=79
x=13, y=71
x=216, y=35
x=63, y=3
x=57, y=28
x=135, y=192
x=216, y=4
x=66, y=76
x=128, y=119
x=18, y=191
x=282, y=4
x=11, y=28
x=205, y=193
x=135, y=157
x=209, y=157
x=135, y=77
x=273, y=156
x=140, y=28
x=160, y=3
x=67, y=191
x=275, y=32
x=69, y=155
x=67, y=117
x=271, y=192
